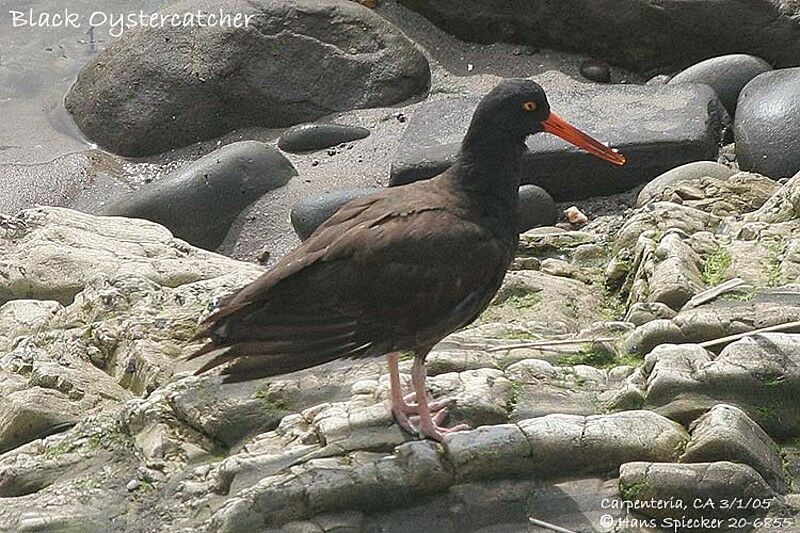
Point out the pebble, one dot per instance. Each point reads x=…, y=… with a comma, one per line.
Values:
x=310, y=137
x=575, y=216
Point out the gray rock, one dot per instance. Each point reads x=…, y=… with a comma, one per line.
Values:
x=715, y=482
x=727, y=75
x=643, y=312
x=782, y=206
x=297, y=61
x=726, y=433
x=309, y=137
x=536, y=208
x=659, y=79
x=34, y=413
x=200, y=201
x=767, y=125
x=638, y=120
x=683, y=382
x=710, y=322
x=671, y=179
x=636, y=34
x=310, y=212
x=85, y=247
x=676, y=277
x=23, y=317
x=661, y=217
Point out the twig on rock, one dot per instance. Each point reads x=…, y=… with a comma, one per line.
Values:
x=731, y=338
x=713, y=293
x=545, y=344
x=549, y=526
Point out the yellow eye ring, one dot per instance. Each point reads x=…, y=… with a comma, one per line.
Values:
x=529, y=106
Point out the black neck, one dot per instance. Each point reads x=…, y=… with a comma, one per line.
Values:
x=489, y=166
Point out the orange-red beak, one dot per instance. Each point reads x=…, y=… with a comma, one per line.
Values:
x=560, y=127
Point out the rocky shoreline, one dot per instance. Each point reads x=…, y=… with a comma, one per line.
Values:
x=643, y=354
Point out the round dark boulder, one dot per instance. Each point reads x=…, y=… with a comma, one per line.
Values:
x=157, y=88
x=594, y=70
x=308, y=137
x=767, y=125
x=727, y=75
x=200, y=201
x=310, y=212
x=536, y=208
x=639, y=34
x=690, y=171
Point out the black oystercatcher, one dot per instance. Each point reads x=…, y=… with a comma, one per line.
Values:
x=396, y=271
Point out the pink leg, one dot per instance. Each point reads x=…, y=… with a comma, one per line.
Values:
x=428, y=425
x=400, y=409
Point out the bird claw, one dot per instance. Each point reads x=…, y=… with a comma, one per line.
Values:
x=431, y=428
x=412, y=407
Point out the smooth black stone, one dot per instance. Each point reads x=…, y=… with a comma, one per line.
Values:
x=727, y=75
x=308, y=137
x=200, y=201
x=310, y=212
x=594, y=70
x=656, y=128
x=767, y=126
x=536, y=208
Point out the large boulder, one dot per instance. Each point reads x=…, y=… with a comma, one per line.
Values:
x=767, y=126
x=657, y=128
x=200, y=201
x=727, y=75
x=161, y=87
x=636, y=33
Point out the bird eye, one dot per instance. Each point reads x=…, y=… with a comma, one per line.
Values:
x=529, y=106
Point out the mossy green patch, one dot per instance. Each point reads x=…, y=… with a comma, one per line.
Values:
x=598, y=358
x=717, y=265
x=740, y=295
x=631, y=492
x=272, y=401
x=516, y=335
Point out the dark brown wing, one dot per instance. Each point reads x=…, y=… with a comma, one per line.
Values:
x=387, y=272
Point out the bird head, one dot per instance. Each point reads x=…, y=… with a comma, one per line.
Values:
x=519, y=107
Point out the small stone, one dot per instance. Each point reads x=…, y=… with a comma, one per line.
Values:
x=308, y=137
x=264, y=255
x=133, y=485
x=575, y=216
x=594, y=70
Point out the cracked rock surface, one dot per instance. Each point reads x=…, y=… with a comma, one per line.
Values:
x=579, y=383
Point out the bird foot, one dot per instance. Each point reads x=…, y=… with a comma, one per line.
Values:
x=411, y=407
x=430, y=426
